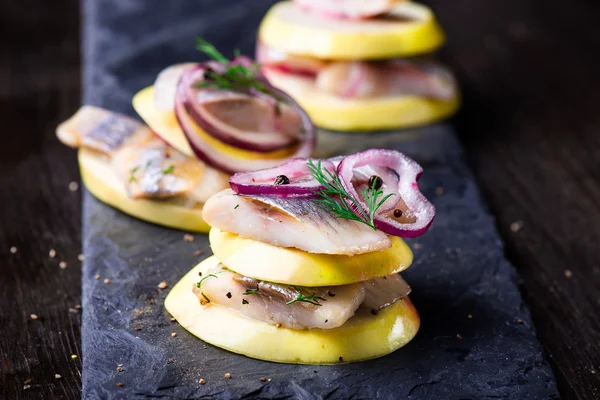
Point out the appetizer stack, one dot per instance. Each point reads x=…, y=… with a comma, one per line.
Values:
x=307, y=259
x=357, y=64
x=205, y=122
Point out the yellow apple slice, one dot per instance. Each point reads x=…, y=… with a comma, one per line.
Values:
x=296, y=267
x=165, y=124
x=101, y=180
x=355, y=114
x=362, y=337
x=409, y=29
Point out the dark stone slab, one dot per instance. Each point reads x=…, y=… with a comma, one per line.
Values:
x=476, y=340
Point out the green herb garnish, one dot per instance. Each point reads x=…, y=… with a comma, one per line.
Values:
x=312, y=299
x=340, y=202
x=198, y=284
x=132, y=177
x=205, y=298
x=235, y=208
x=236, y=77
x=249, y=291
x=168, y=170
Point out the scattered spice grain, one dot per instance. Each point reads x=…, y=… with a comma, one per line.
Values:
x=516, y=226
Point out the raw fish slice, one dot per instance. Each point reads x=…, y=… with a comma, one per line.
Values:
x=359, y=79
x=100, y=130
x=302, y=223
x=385, y=291
x=156, y=170
x=267, y=302
x=147, y=166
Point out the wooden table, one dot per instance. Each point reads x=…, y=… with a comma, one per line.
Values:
x=530, y=126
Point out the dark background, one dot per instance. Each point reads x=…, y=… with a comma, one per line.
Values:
x=530, y=124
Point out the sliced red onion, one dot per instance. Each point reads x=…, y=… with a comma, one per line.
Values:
x=222, y=160
x=388, y=176
x=271, y=58
x=300, y=181
x=417, y=211
x=219, y=113
x=346, y=9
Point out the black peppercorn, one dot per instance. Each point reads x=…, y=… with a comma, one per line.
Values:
x=397, y=213
x=375, y=182
x=282, y=180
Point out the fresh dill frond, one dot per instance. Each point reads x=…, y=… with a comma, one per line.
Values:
x=210, y=50
x=132, y=177
x=205, y=297
x=233, y=76
x=168, y=170
x=337, y=199
x=198, y=284
x=312, y=299
x=249, y=291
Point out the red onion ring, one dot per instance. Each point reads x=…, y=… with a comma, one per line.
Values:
x=419, y=209
x=391, y=183
x=301, y=181
x=197, y=100
x=332, y=9
x=224, y=161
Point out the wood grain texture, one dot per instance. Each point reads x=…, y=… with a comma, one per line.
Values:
x=531, y=128
x=530, y=125
x=39, y=74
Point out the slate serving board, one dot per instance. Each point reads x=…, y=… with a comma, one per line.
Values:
x=476, y=340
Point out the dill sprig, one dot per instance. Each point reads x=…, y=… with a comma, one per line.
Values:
x=168, y=170
x=312, y=299
x=340, y=202
x=234, y=76
x=132, y=177
x=198, y=284
x=249, y=291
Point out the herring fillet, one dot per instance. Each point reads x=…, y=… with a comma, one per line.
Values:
x=384, y=291
x=155, y=170
x=269, y=302
x=147, y=166
x=99, y=129
x=301, y=223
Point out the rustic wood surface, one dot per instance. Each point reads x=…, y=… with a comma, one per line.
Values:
x=530, y=126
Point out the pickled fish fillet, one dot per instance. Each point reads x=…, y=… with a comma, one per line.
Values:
x=358, y=79
x=385, y=291
x=147, y=165
x=280, y=304
x=100, y=130
x=156, y=170
x=291, y=222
